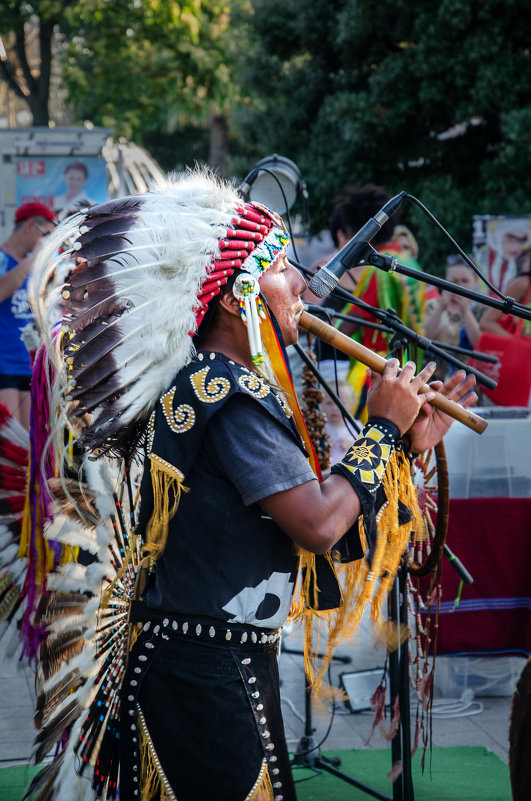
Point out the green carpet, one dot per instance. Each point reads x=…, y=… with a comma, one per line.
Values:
x=457, y=774
x=13, y=781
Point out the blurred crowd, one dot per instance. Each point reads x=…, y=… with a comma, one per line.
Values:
x=459, y=325
x=462, y=327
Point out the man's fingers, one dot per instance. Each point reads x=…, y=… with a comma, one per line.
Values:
x=407, y=372
x=426, y=373
x=391, y=368
x=462, y=387
x=426, y=397
x=469, y=400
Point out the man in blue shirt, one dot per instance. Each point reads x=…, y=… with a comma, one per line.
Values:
x=17, y=253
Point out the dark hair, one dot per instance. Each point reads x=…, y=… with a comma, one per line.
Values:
x=356, y=206
x=76, y=165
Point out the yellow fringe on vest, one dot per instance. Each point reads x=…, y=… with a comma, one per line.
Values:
x=262, y=789
x=167, y=482
x=361, y=584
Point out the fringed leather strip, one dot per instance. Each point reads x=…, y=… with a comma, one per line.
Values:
x=362, y=583
x=153, y=780
x=262, y=789
x=167, y=483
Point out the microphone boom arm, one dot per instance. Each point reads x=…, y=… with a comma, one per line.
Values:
x=391, y=264
x=377, y=363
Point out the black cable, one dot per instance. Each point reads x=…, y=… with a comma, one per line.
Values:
x=461, y=252
x=284, y=198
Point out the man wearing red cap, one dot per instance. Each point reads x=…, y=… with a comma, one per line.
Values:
x=17, y=254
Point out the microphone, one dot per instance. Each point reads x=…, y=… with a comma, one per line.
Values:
x=327, y=277
x=245, y=186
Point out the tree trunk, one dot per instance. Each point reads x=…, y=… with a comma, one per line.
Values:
x=217, y=156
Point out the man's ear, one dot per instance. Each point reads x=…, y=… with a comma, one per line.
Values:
x=229, y=303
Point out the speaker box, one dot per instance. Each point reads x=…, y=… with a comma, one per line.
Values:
x=359, y=685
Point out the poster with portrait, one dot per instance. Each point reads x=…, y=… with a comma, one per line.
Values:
x=500, y=246
x=64, y=184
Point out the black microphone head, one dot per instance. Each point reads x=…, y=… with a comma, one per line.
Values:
x=323, y=282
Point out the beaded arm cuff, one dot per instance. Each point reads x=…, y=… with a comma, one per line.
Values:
x=364, y=464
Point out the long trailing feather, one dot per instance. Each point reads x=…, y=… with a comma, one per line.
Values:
x=43, y=781
x=59, y=648
x=92, y=394
x=73, y=494
x=88, y=351
x=47, y=702
x=96, y=214
x=54, y=605
x=93, y=274
x=52, y=732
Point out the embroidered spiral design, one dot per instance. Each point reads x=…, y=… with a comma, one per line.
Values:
x=180, y=419
x=213, y=391
x=254, y=385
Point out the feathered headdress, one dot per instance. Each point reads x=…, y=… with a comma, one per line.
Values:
x=121, y=288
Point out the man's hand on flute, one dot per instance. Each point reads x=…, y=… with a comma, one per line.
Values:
x=431, y=423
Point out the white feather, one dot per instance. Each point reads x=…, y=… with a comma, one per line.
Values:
x=170, y=247
x=72, y=533
x=68, y=623
x=9, y=554
x=15, y=432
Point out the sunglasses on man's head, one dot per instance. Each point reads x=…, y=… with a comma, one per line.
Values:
x=44, y=231
x=520, y=238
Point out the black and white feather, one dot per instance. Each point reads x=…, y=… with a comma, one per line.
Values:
x=116, y=305
x=82, y=660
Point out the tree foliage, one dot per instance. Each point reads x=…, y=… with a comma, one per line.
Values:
x=144, y=68
x=147, y=65
x=29, y=84
x=431, y=98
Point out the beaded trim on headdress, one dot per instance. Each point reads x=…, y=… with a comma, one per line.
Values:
x=256, y=242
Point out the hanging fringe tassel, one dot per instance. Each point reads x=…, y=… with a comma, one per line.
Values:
x=362, y=584
x=167, y=483
x=153, y=781
x=262, y=789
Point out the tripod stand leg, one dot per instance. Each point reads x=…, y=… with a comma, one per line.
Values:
x=394, y=685
x=399, y=685
x=324, y=764
x=405, y=706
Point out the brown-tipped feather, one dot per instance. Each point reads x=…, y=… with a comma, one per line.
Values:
x=105, y=227
x=57, y=649
x=59, y=604
x=96, y=214
x=43, y=781
x=100, y=348
x=65, y=490
x=103, y=247
x=48, y=701
x=53, y=732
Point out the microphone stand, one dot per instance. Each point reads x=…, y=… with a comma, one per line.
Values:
x=308, y=753
x=391, y=264
x=389, y=320
x=328, y=312
x=393, y=323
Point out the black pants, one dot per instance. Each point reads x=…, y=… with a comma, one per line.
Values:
x=212, y=710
